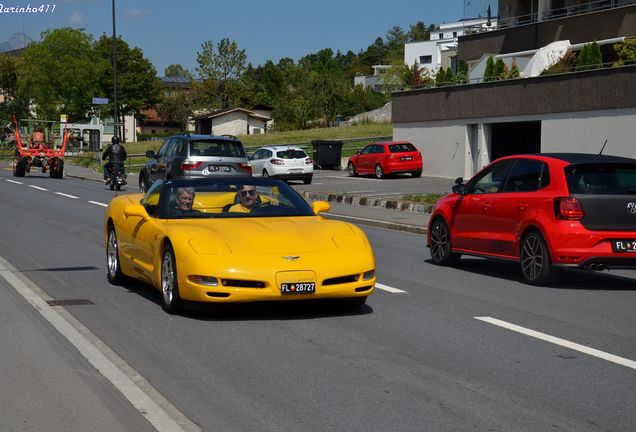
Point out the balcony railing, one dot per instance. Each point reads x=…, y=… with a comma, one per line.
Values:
x=550, y=14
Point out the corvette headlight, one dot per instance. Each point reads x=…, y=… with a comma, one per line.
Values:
x=368, y=275
x=204, y=280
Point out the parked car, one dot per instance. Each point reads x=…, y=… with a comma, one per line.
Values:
x=542, y=211
x=386, y=158
x=283, y=162
x=193, y=156
x=204, y=249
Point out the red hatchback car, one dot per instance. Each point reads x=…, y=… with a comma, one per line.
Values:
x=386, y=158
x=542, y=211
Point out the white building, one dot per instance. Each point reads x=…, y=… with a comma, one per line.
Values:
x=441, y=49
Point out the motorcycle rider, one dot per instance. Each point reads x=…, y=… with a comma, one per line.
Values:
x=116, y=154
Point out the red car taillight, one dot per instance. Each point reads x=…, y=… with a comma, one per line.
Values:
x=569, y=208
x=277, y=162
x=189, y=165
x=245, y=167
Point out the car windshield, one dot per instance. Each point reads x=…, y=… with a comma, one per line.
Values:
x=216, y=148
x=291, y=154
x=401, y=148
x=240, y=198
x=602, y=179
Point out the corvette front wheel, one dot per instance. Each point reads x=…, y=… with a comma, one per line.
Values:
x=113, y=273
x=170, y=298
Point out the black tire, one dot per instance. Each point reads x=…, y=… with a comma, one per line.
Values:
x=416, y=174
x=379, y=172
x=351, y=170
x=307, y=180
x=118, y=187
x=534, y=259
x=441, y=245
x=113, y=265
x=143, y=184
x=112, y=185
x=57, y=169
x=170, y=299
x=20, y=168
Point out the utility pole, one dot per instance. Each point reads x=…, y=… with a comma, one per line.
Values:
x=115, y=117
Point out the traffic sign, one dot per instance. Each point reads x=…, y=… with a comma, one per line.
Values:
x=100, y=101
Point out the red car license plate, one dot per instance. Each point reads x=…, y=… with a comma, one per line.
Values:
x=407, y=158
x=624, y=245
x=298, y=288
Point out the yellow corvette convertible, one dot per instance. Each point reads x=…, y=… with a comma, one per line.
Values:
x=235, y=240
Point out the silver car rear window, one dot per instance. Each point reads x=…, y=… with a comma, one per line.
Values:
x=217, y=148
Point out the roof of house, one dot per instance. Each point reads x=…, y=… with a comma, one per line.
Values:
x=219, y=113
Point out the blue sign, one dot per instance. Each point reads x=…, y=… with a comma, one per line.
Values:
x=100, y=101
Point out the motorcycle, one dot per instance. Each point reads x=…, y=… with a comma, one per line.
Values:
x=117, y=178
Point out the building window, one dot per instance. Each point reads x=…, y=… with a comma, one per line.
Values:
x=454, y=34
x=426, y=59
x=441, y=35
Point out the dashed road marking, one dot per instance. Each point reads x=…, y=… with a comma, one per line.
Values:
x=38, y=187
x=561, y=342
x=98, y=203
x=66, y=195
x=388, y=288
x=14, y=181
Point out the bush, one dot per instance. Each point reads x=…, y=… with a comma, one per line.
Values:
x=489, y=73
x=564, y=65
x=625, y=53
x=590, y=57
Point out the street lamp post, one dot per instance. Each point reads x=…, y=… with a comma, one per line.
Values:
x=115, y=118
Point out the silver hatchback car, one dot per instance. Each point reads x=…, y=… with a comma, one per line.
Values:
x=195, y=156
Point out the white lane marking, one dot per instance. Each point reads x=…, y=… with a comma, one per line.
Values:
x=562, y=342
x=14, y=181
x=38, y=187
x=388, y=288
x=364, y=219
x=98, y=203
x=66, y=195
x=146, y=406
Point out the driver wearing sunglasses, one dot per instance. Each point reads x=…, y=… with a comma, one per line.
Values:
x=248, y=198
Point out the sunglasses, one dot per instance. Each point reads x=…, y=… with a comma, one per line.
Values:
x=245, y=193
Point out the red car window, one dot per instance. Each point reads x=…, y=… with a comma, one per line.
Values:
x=402, y=147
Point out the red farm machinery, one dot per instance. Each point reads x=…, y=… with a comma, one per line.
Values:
x=44, y=148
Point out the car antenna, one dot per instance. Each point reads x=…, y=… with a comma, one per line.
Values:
x=602, y=148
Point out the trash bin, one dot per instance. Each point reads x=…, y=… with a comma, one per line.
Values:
x=327, y=154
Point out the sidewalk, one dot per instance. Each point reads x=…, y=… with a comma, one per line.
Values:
x=397, y=215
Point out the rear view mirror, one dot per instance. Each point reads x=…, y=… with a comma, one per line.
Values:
x=135, y=210
x=459, y=180
x=357, y=152
x=150, y=154
x=459, y=187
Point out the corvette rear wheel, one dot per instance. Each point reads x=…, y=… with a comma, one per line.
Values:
x=536, y=267
x=170, y=298
x=113, y=273
x=441, y=244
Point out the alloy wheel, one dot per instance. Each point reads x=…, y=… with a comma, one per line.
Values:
x=535, y=261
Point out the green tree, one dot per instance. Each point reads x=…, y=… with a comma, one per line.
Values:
x=176, y=109
x=9, y=66
x=176, y=70
x=58, y=74
x=419, y=32
x=225, y=65
x=395, y=40
x=137, y=85
x=498, y=69
x=490, y=69
x=375, y=54
x=583, y=59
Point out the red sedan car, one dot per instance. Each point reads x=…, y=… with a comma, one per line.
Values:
x=386, y=158
x=541, y=211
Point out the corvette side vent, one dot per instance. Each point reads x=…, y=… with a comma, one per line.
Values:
x=341, y=280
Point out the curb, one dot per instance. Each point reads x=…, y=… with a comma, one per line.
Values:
x=369, y=202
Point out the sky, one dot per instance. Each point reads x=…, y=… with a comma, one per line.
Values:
x=171, y=32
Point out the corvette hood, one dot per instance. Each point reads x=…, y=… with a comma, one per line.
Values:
x=280, y=235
